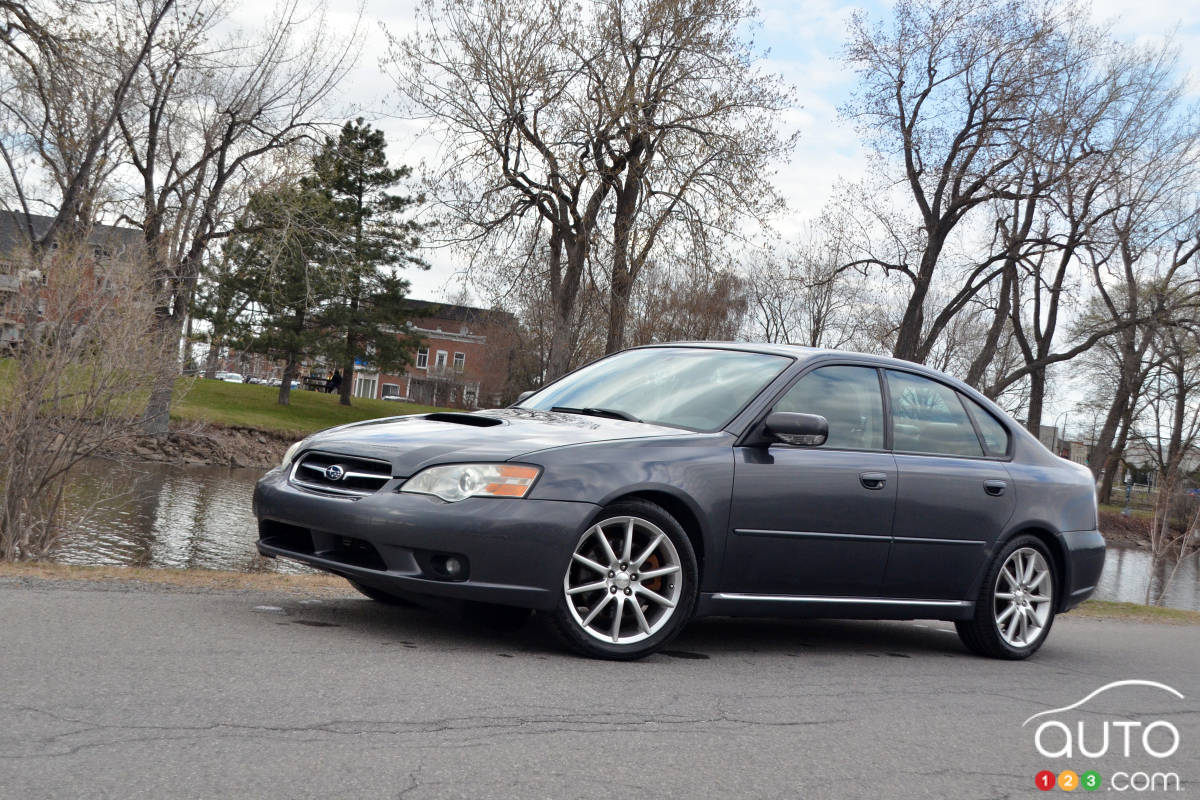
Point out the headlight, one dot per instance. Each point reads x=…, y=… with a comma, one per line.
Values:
x=456, y=482
x=292, y=451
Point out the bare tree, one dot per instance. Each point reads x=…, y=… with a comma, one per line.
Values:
x=803, y=297
x=945, y=90
x=75, y=384
x=551, y=115
x=697, y=122
x=66, y=72
x=1170, y=433
x=205, y=111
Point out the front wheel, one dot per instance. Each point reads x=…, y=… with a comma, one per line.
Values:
x=630, y=584
x=1015, y=607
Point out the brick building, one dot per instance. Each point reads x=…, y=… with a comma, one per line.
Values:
x=463, y=360
x=106, y=242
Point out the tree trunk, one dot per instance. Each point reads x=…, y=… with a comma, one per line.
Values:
x=210, y=361
x=1037, y=399
x=291, y=367
x=348, y=360
x=157, y=416
x=621, y=284
x=988, y=352
x=908, y=337
x=1113, y=461
x=564, y=311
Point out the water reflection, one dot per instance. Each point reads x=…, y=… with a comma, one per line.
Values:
x=1128, y=571
x=191, y=516
x=165, y=516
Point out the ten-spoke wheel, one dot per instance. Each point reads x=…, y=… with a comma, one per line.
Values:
x=630, y=584
x=1015, y=608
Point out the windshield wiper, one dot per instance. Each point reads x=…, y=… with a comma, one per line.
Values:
x=609, y=413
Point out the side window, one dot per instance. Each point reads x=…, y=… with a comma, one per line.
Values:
x=848, y=397
x=927, y=417
x=995, y=435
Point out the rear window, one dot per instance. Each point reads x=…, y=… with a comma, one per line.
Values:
x=995, y=435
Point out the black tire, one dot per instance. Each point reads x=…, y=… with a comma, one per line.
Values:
x=381, y=596
x=567, y=618
x=982, y=634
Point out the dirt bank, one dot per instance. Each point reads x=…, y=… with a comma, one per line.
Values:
x=1129, y=531
x=208, y=444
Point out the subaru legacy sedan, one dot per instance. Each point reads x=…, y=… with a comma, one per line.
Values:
x=666, y=483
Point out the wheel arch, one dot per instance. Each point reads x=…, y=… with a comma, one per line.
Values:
x=1058, y=552
x=680, y=509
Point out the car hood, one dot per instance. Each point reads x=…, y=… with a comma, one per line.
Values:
x=412, y=443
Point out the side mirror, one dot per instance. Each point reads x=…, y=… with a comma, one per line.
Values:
x=524, y=395
x=810, y=430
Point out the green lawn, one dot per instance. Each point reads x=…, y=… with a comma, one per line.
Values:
x=1136, y=612
x=1144, y=513
x=253, y=406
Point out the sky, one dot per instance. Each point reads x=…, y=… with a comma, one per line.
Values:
x=802, y=41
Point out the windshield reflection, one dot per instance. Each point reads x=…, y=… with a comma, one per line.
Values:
x=695, y=388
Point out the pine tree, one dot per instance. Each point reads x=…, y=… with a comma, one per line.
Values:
x=283, y=270
x=372, y=243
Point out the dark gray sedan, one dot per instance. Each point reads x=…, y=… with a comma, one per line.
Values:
x=664, y=483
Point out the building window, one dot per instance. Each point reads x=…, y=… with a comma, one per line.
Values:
x=440, y=361
x=460, y=361
x=365, y=387
x=423, y=358
x=391, y=390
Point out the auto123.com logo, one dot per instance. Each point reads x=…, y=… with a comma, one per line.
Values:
x=1074, y=735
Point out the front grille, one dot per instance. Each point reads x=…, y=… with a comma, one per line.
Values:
x=343, y=475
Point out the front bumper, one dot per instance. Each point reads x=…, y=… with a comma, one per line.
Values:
x=515, y=551
x=1084, y=563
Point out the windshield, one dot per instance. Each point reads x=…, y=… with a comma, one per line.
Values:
x=695, y=388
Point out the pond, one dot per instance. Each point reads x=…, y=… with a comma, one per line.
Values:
x=199, y=517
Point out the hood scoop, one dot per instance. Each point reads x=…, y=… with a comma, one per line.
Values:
x=472, y=420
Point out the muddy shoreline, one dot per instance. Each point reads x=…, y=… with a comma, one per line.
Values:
x=206, y=445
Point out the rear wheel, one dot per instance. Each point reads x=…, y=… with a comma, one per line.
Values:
x=630, y=585
x=1015, y=607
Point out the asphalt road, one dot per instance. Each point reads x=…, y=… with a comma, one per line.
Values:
x=161, y=693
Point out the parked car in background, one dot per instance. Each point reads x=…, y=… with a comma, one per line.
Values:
x=669, y=482
x=230, y=377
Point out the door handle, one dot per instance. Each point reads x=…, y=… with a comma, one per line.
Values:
x=873, y=480
x=995, y=488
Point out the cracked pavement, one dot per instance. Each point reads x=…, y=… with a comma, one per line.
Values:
x=112, y=693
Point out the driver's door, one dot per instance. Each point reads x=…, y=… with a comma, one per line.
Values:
x=816, y=521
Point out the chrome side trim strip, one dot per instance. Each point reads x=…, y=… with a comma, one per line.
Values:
x=850, y=536
x=876, y=601
x=921, y=540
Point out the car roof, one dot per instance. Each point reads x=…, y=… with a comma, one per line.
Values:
x=802, y=352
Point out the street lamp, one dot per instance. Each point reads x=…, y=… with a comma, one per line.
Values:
x=1055, y=439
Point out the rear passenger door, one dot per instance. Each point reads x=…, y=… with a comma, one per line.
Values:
x=954, y=494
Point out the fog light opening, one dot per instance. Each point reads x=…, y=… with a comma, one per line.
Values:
x=450, y=567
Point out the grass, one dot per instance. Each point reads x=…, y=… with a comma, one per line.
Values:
x=1142, y=513
x=253, y=406
x=1135, y=612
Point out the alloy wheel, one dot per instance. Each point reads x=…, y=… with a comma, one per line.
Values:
x=1023, y=597
x=624, y=581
